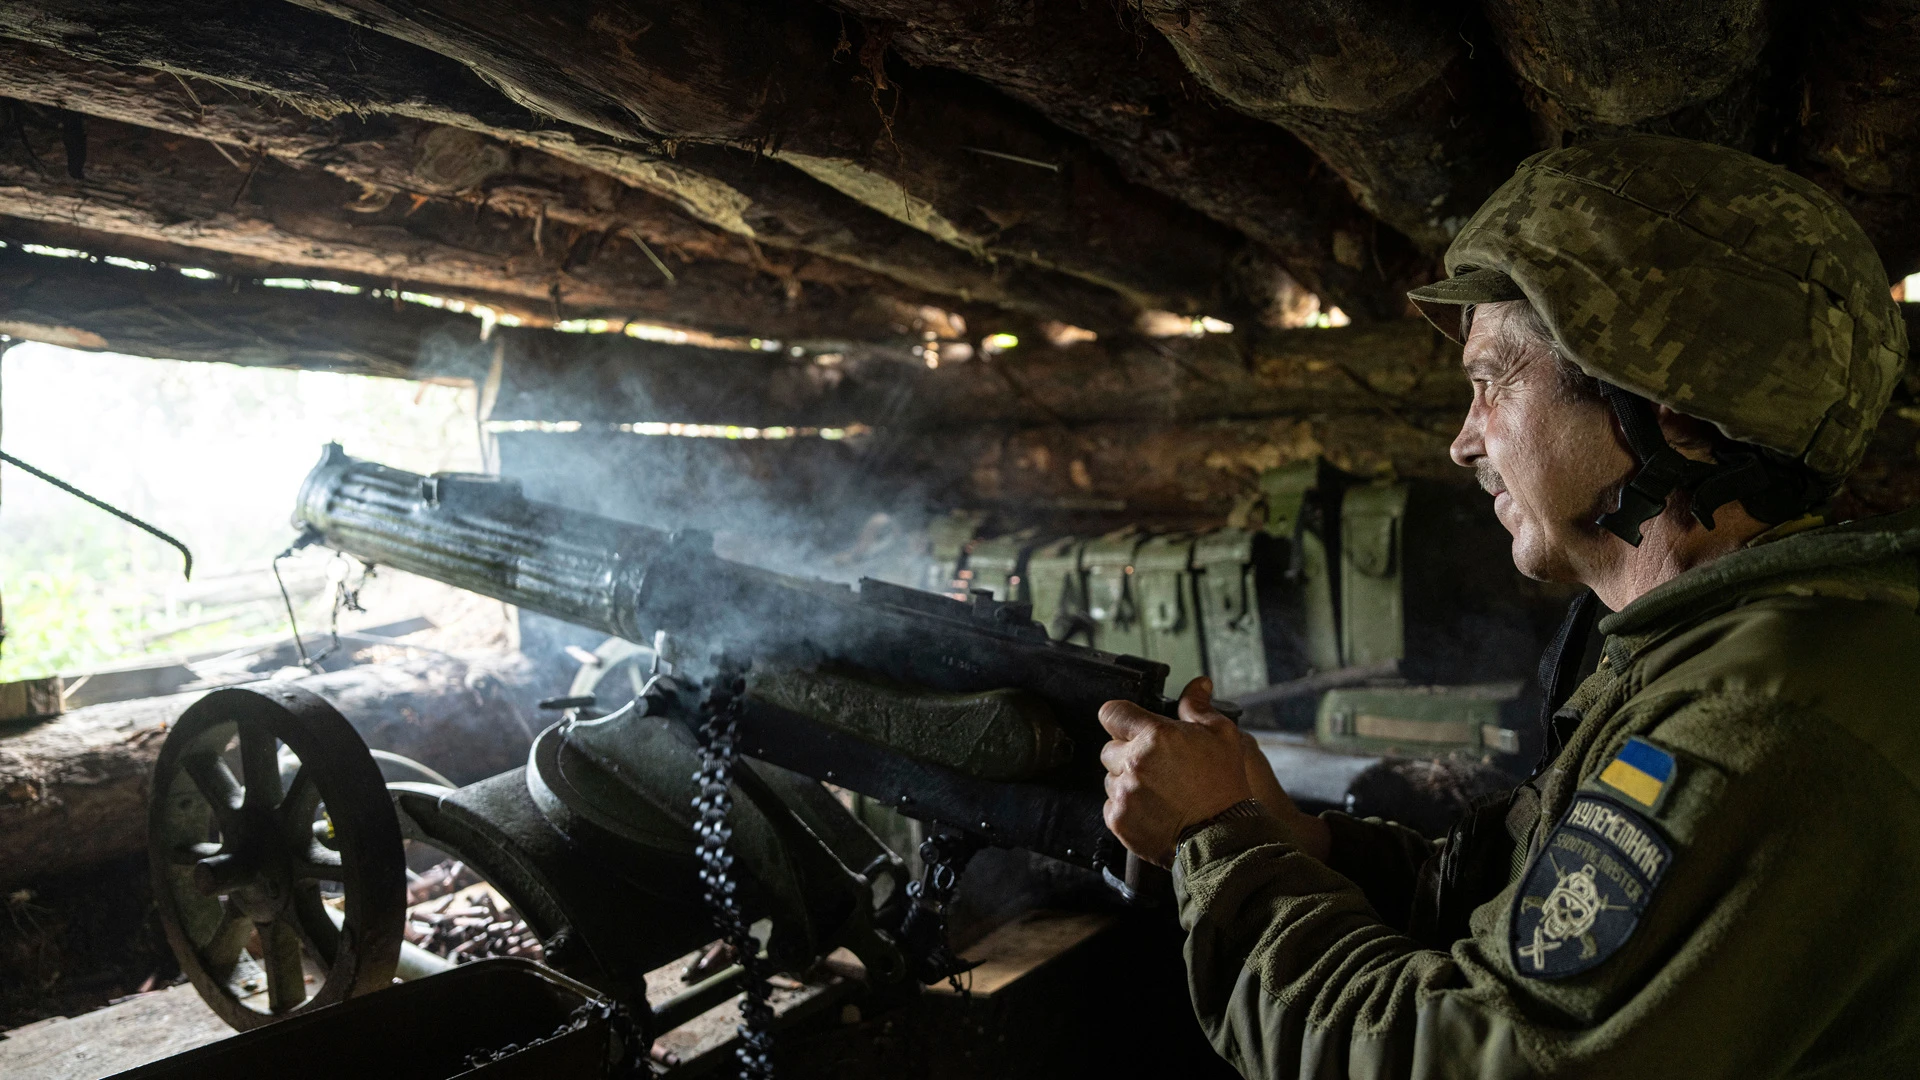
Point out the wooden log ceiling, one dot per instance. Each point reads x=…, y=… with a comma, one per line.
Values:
x=1173, y=154
x=852, y=176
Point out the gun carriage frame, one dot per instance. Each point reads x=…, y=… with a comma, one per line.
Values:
x=962, y=714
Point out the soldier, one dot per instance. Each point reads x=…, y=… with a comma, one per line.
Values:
x=1677, y=354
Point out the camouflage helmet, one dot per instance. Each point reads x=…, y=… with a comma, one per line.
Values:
x=1700, y=278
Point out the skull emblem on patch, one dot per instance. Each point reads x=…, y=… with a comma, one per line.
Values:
x=1586, y=890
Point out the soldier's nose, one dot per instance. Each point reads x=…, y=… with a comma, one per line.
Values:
x=1468, y=446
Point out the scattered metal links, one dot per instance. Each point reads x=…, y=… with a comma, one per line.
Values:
x=944, y=854
x=719, y=730
x=585, y=1013
x=466, y=926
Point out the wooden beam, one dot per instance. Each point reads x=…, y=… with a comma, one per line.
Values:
x=1392, y=371
x=160, y=313
x=1167, y=474
x=1391, y=93
x=243, y=269
x=1081, y=479
x=392, y=157
x=943, y=155
x=1385, y=369
x=781, y=207
x=162, y=187
x=608, y=379
x=323, y=67
x=1123, y=88
x=1594, y=68
x=817, y=495
x=1860, y=133
x=93, y=305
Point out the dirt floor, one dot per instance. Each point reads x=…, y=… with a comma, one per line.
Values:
x=73, y=943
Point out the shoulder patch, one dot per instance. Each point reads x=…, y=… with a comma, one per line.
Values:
x=1641, y=773
x=1584, y=894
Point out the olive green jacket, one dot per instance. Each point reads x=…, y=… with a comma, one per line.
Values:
x=1770, y=918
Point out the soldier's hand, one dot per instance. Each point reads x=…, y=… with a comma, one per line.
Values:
x=1309, y=832
x=1164, y=775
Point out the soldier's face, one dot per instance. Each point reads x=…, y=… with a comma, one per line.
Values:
x=1550, y=458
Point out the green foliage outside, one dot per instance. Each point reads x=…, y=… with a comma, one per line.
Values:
x=209, y=452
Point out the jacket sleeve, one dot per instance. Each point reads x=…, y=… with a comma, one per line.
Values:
x=1740, y=959
x=1381, y=858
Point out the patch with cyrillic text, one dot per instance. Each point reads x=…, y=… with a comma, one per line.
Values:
x=1586, y=890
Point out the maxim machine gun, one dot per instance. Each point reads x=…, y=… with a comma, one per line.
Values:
x=628, y=835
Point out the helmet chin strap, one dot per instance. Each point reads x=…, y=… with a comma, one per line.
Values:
x=1663, y=470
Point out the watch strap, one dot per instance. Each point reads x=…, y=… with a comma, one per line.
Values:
x=1245, y=808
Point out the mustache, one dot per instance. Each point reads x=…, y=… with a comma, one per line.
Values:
x=1488, y=477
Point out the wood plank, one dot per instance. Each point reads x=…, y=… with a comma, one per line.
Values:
x=1024, y=946
x=32, y=699
x=111, y=1040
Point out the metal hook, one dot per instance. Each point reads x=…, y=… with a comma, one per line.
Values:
x=114, y=510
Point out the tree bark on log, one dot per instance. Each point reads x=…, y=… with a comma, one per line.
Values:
x=1123, y=88
x=393, y=156
x=323, y=67
x=1860, y=134
x=86, y=305
x=1190, y=475
x=160, y=313
x=1421, y=124
x=161, y=187
x=1174, y=475
x=73, y=790
x=609, y=380
x=1381, y=369
x=1384, y=368
x=941, y=155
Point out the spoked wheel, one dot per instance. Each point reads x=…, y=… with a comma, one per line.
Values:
x=242, y=860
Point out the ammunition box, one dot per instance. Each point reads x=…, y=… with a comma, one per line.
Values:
x=997, y=564
x=1236, y=653
x=1163, y=586
x=1057, y=588
x=1373, y=613
x=947, y=540
x=1421, y=721
x=1112, y=605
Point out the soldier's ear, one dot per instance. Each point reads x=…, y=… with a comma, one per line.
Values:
x=1686, y=433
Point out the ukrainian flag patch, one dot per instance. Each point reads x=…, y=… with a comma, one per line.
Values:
x=1641, y=772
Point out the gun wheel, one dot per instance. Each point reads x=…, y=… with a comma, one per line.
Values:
x=278, y=896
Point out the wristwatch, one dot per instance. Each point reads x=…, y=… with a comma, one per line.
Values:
x=1245, y=808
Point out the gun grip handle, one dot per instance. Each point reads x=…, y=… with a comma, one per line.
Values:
x=1148, y=883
